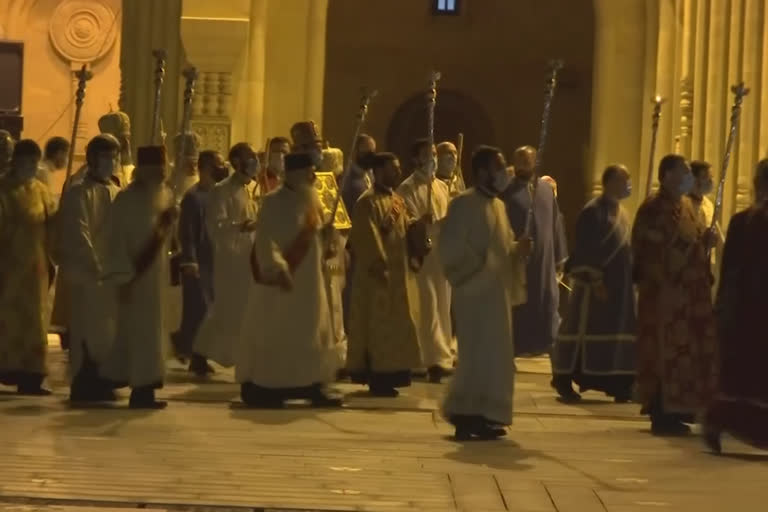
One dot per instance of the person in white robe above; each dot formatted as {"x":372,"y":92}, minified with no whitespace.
{"x":83,"y":244}
{"x":287,"y":350}
{"x":705,"y":209}
{"x":231,"y":221}
{"x":184,"y":174}
{"x":307,"y":139}
{"x":52,"y":167}
{"x":449,"y":168}
{"x":434,"y":330}
{"x":486,"y":268}
{"x":137,"y":265}
{"x":118,"y":125}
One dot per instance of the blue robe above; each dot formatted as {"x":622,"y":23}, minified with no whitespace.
{"x":596,"y":343}
{"x":536,"y":322}
{"x":196,"y":249}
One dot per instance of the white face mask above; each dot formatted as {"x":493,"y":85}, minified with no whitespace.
{"x":500,"y":181}
{"x":687,"y":184}
{"x":252,"y":168}
{"x":105,"y":167}
{"x":627,"y":191}
{"x":317,"y":157}
{"x":445,"y":165}
{"x":277,"y":163}
{"x":428,"y":168}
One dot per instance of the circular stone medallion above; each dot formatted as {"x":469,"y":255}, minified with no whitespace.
{"x":82,"y":31}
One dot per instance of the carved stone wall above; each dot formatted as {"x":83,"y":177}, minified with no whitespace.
{"x":59,"y":37}
{"x":690,"y":52}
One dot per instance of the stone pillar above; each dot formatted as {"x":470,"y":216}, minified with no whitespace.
{"x":314,"y":84}
{"x":257,"y":55}
{"x":149,"y":25}
{"x":215,"y":37}
{"x":618,"y":98}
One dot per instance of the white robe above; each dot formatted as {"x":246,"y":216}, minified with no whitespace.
{"x":138,"y":353}
{"x":82,"y":245}
{"x":434,"y":329}
{"x":229,"y":206}
{"x":287,"y":339}
{"x":478,"y":253}
{"x":335,"y":273}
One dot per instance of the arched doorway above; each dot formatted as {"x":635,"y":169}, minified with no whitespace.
{"x":455,"y":112}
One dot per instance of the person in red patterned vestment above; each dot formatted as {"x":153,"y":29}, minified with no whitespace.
{"x":741,"y":406}
{"x":676,"y":340}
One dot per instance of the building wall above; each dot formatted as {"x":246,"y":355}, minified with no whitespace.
{"x":59,"y":36}
{"x":495,"y":54}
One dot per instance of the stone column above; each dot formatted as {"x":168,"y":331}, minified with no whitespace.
{"x":257,"y":53}
{"x":150,"y":25}
{"x":314,"y":84}
{"x":618,"y":98}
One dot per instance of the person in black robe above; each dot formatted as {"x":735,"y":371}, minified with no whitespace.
{"x":595,"y":347}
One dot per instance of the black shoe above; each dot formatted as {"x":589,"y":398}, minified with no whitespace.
{"x":384,"y":392}
{"x":145,"y":399}
{"x":670,"y":429}
{"x":463,"y":434}
{"x":323,"y":400}
{"x":712,"y":439}
{"x":200,"y":367}
{"x":342,"y":375}
{"x":436,"y":374}
{"x":567,"y":393}
{"x":64,"y":340}
{"x":33,"y":391}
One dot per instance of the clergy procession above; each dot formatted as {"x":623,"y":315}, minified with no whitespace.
{"x":299,"y":269}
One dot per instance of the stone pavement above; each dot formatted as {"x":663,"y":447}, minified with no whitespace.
{"x":206,"y":453}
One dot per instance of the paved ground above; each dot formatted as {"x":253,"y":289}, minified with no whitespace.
{"x":205,"y":453}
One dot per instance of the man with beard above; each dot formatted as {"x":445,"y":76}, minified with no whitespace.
{"x":83,"y":241}
{"x":434,"y":327}
{"x":486,"y":268}
{"x":142,"y":221}
{"x":6,"y":152}
{"x":596,"y":344}
{"x":383,"y":339}
{"x":448,"y":168}
{"x":740,"y":406}
{"x":55,"y":157}
{"x":288,"y":351}
{"x":359,"y":179}
{"x":676,"y":339}
{"x":25,"y":272}
{"x":231,"y":222}
{"x":536,"y":321}
{"x":196,"y":258}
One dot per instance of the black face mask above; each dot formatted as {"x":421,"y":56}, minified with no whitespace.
{"x":219,"y":173}
{"x":361,"y":159}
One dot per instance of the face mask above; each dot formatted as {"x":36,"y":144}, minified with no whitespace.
{"x":317,"y":158}
{"x":428,"y":168}
{"x":707,"y":188}
{"x":445,"y":165}
{"x":105,"y":167}
{"x":500,"y":181}
{"x":219,"y":173}
{"x":687,"y":184}
{"x":626,"y":192}
{"x":277,"y":163}
{"x":252,"y":168}
{"x":26,"y":169}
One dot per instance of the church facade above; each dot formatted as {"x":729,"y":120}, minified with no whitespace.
{"x":265,"y":64}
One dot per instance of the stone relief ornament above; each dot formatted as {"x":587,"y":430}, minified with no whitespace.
{"x":82,"y":31}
